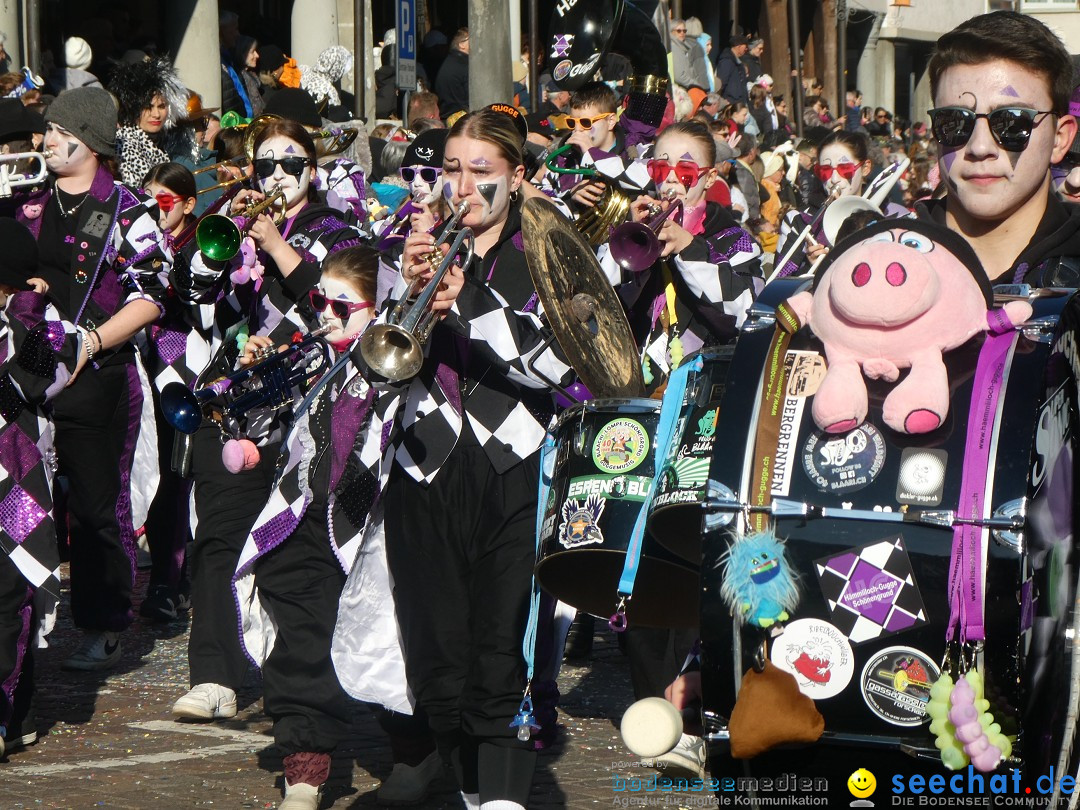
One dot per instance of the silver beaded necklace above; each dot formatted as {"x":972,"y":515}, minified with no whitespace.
{"x":67,"y":212}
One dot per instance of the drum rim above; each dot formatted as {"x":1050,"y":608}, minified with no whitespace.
{"x":644,"y":405}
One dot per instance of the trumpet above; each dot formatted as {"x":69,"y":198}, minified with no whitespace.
{"x":239,"y":162}
{"x":635,"y":246}
{"x":219,"y":236}
{"x":395,"y":349}
{"x":267,"y":384}
{"x":11,"y":176}
{"x":191,"y":230}
{"x":398,"y":227}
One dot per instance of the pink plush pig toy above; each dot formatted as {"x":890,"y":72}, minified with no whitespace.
{"x":897,"y":295}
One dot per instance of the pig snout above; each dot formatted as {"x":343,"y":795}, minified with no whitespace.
{"x":891,"y":289}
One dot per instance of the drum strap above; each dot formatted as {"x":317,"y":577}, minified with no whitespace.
{"x":967,"y":569}
{"x":670,"y":410}
{"x":773,"y":387}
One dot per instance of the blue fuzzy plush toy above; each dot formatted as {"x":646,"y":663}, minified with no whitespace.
{"x":759,"y":585}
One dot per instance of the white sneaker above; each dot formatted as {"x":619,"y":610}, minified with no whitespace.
{"x":206,"y":701}
{"x":99,"y":651}
{"x":409,"y":784}
{"x":686,"y":759}
{"x":300,"y":796}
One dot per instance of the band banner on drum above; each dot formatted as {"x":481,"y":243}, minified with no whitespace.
{"x":773,"y":388}
{"x":967,"y":567}
{"x":670,"y":410}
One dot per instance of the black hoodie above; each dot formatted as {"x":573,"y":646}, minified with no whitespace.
{"x":1051,"y":258}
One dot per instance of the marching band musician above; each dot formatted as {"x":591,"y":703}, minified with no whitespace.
{"x":40,"y":352}
{"x":842,"y":169}
{"x":301,"y":547}
{"x":251,"y":295}
{"x":340,"y":183}
{"x":461,"y":496}
{"x":103,"y":257}
{"x":709,"y":271}
{"x":1001,"y":84}
{"x":421,"y":169}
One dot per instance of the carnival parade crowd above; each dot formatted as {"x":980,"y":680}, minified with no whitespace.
{"x":375,"y":539}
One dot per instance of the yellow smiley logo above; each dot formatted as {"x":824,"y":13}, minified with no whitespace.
{"x":862,"y":784}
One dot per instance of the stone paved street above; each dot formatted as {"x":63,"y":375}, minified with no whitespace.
{"x":108,"y":740}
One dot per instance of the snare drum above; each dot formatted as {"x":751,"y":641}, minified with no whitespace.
{"x":604,"y":468}
{"x":874,"y":592}
{"x":675,"y":512}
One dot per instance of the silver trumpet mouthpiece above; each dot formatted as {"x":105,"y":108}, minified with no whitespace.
{"x":46,"y":153}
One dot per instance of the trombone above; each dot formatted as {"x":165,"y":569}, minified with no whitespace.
{"x":395,"y":349}
{"x":238,"y":162}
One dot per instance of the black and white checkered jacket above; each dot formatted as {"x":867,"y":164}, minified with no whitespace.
{"x":493,"y":331}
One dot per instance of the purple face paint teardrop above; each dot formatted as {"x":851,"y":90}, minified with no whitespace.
{"x":447,"y":192}
{"x":289,"y":150}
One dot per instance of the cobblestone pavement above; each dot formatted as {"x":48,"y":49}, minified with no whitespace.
{"x":107,"y":739}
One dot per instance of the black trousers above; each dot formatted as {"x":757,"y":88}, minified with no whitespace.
{"x":300,"y":583}
{"x":461,"y":552}
{"x":17,"y":623}
{"x":656,"y":655}
{"x":92,"y":421}
{"x":226,"y":505}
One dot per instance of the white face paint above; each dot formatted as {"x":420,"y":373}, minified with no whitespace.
{"x":424,"y":193}
{"x":475,"y":171}
{"x":69,"y":154}
{"x":337,"y":289}
{"x":836,"y":154}
{"x":295,"y":188}
{"x":677,"y":147}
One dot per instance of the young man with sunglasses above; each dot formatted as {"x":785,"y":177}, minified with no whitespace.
{"x":1001,"y":84}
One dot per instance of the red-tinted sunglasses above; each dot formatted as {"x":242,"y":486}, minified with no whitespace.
{"x":341,"y":309}
{"x":167,"y":202}
{"x":686,"y":171}
{"x":845,"y":170}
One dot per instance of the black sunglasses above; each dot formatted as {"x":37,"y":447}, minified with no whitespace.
{"x":1010,"y":126}
{"x":264,"y":167}
{"x":429,"y":174}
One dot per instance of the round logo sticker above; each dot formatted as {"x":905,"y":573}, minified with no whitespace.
{"x":562,"y":70}
{"x":896,"y":683}
{"x":620,"y":446}
{"x":844,"y":463}
{"x":817,"y":654}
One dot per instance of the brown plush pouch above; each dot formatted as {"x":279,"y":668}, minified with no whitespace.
{"x":771,"y":711}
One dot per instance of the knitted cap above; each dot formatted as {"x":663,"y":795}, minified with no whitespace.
{"x":88,"y":113}
{"x":77,"y":53}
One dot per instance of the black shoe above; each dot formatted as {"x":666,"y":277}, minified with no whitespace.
{"x":183,"y":596}
{"x":580,"y":638}
{"x":159,"y":604}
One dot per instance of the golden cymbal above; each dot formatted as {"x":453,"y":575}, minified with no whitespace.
{"x":580,"y":305}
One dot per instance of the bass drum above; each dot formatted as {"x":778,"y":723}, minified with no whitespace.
{"x":675,"y":512}
{"x":868,"y":635}
{"x":604,"y":468}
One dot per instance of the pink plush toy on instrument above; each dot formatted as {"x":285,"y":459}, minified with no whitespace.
{"x":897,"y":295}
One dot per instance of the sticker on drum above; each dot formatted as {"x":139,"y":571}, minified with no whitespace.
{"x":547,"y":527}
{"x":896,"y":683}
{"x":619,"y":487}
{"x":922,"y":476}
{"x":844,"y":463}
{"x":806,"y":370}
{"x":581,"y":522}
{"x":620,"y":446}
{"x":871,"y":591}
{"x":817,"y":654}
